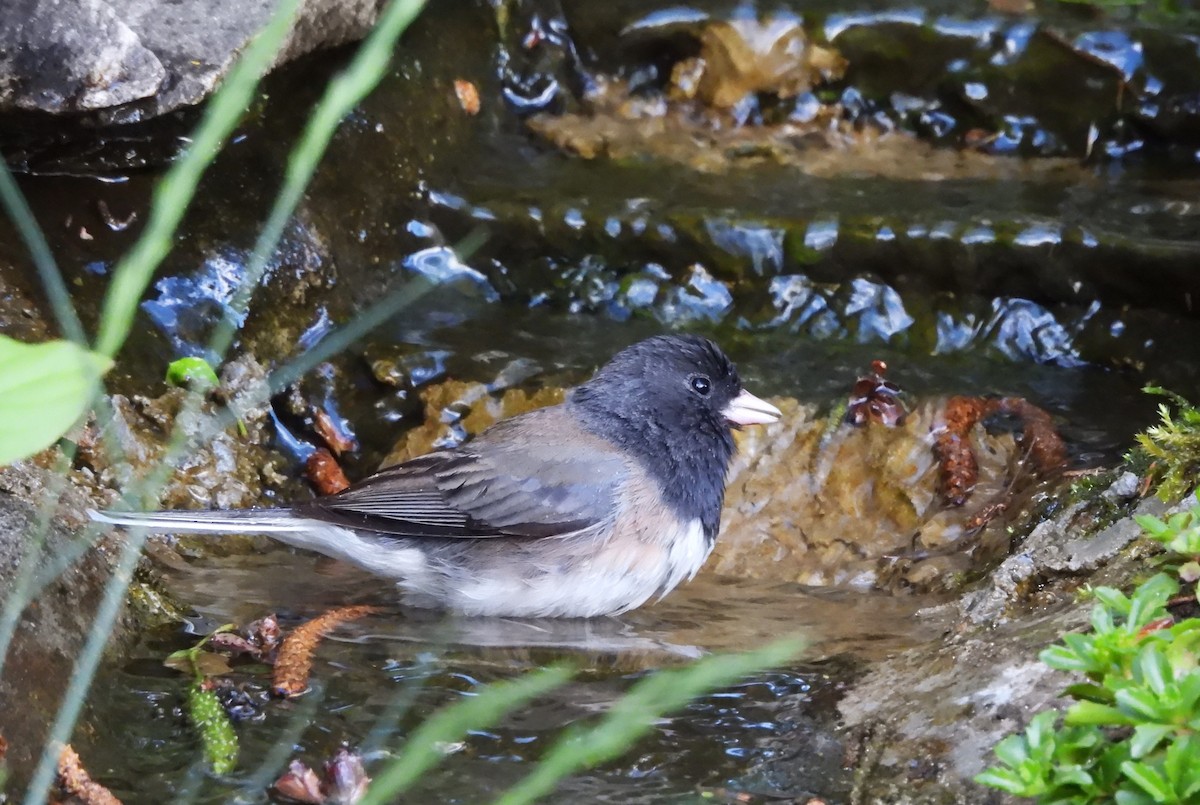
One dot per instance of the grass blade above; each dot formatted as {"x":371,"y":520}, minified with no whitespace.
{"x":35,"y":241}
{"x":635,"y":713}
{"x":422,"y":752}
{"x":174,"y":193}
{"x":341,"y":96}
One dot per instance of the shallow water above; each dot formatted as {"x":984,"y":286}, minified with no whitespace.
{"x":377,"y":678}
{"x":1071,"y":288}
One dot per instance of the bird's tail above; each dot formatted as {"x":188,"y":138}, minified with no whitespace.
{"x":237,"y":521}
{"x":388,"y":557}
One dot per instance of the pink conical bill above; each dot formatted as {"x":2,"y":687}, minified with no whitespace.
{"x":746,"y":409}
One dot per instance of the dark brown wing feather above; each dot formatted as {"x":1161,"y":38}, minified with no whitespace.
{"x":537,"y":475}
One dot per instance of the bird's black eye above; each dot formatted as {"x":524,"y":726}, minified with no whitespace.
{"x":701,"y":385}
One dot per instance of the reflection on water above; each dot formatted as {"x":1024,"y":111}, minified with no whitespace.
{"x":708,"y":615}
{"x":375,"y":680}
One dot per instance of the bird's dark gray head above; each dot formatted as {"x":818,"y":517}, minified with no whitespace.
{"x":673,"y":401}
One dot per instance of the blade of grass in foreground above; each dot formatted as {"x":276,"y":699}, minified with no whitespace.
{"x":423,"y":749}
{"x":135,"y":271}
{"x":174,"y":193}
{"x":35,"y":241}
{"x":130,"y":279}
{"x":341,"y":96}
{"x":363,"y":80}
{"x":635,"y":713}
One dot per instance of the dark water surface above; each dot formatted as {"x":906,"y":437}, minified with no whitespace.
{"x":378,"y":678}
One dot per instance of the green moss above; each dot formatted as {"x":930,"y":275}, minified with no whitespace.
{"x":150,"y":605}
{"x":1169,"y":453}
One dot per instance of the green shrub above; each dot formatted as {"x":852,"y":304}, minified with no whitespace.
{"x":1131,"y":735}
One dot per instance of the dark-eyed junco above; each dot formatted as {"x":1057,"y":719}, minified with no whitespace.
{"x":586,"y":508}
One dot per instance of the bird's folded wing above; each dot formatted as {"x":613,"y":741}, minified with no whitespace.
{"x":493,"y":491}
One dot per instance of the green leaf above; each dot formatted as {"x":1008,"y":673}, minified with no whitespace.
{"x":1005,"y":780}
{"x":1153,"y":526}
{"x":44,"y":390}
{"x":1125,"y":797}
{"x":1012,"y":751}
{"x":1182,"y":765}
{"x":1113,"y":599}
{"x":1082,"y":713}
{"x":1149,"y":600}
{"x":1041,"y":729}
{"x":1089,"y":692}
{"x":1072,"y":776}
{"x":1153,"y":667}
{"x":1146,"y":737}
{"x":192,"y":372}
{"x":1141,"y":702}
{"x":1149,"y":780}
{"x":1065,"y":658}
{"x":1102,"y":619}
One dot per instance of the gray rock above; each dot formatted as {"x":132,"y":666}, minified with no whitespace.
{"x":941,"y":708}
{"x":139,"y":58}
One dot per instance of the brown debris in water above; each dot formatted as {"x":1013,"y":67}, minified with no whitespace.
{"x":324,"y":472}
{"x":299,"y":783}
{"x":1046,"y":448}
{"x":259,"y":639}
{"x":875,"y":399}
{"x":333,"y":433}
{"x":293,"y":663}
{"x":74,"y":781}
{"x":468,"y":96}
{"x":959,"y":468}
{"x":345,"y":781}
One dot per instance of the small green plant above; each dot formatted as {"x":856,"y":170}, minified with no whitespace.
{"x":1131,"y":737}
{"x":208,"y":717}
{"x":1180,"y":535}
{"x":194,"y":373}
{"x":1171,"y":450}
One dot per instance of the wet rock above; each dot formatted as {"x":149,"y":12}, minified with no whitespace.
{"x":743,"y":56}
{"x":746,"y":101}
{"x":946,"y":705}
{"x":187,"y":306}
{"x":51,"y":631}
{"x":20,"y":316}
{"x":296,"y":307}
{"x":222,"y":467}
{"x":1066,"y":545}
{"x":136,"y":59}
{"x":942,"y":709}
{"x":826,"y":503}
{"x":455,"y":410}
{"x":618,"y":128}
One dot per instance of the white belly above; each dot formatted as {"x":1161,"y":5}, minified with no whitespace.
{"x":616,"y":579}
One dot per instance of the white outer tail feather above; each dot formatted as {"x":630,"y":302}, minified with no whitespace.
{"x":241,"y":521}
{"x":382,"y":556}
